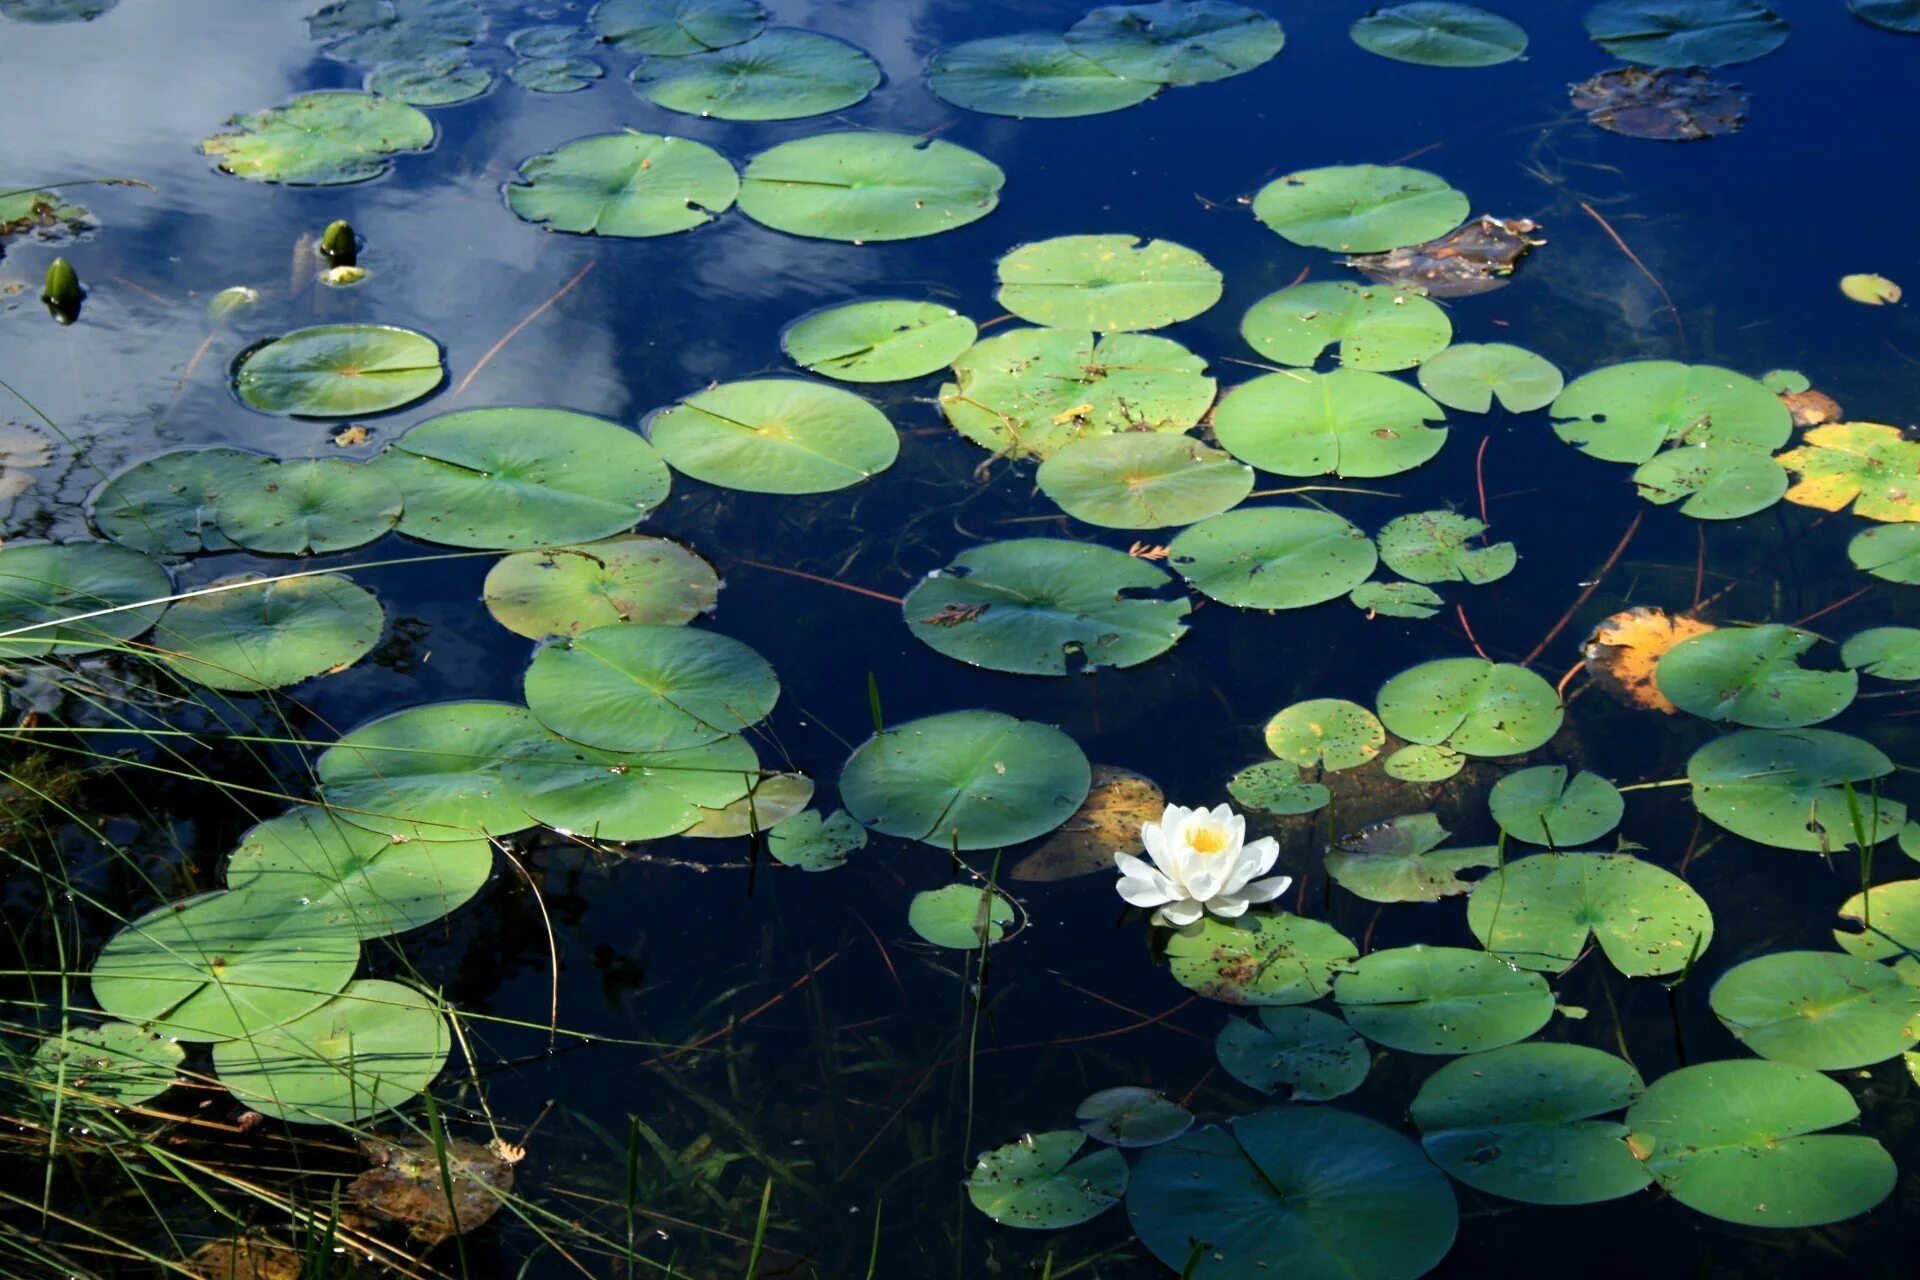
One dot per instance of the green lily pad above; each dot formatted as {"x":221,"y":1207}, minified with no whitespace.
{"x":385,"y":30}
{"x":64,"y":583}
{"x":164,"y":504}
{"x":966,"y":780}
{"x":1752,"y":676}
{"x":772,"y":800}
{"x":551,"y":40}
{"x":1521,"y":1122}
{"x":1537,"y":913}
{"x":1036,"y":1183}
{"x":1894,"y":15}
{"x":1331,"y":733}
{"x":1143,"y":480}
{"x":1430,"y":34}
{"x":1311,"y":1193}
{"x":1629,"y":412}
{"x":1375,"y":327}
{"x":1028,"y":393}
{"x":631,"y":578}
{"x":509,"y":478}
{"x":1275,"y":786}
{"x":963,"y":917}
{"x":1106,"y":283}
{"x":320,"y":139}
{"x":1348,"y":423}
{"x":1470,"y":376}
{"x":1685,"y":33}
{"x":869,"y":185}
{"x":1034,"y":75}
{"x":1712,"y":481}
{"x":1432,"y":546}
{"x":1273,"y":557}
{"x":1822,"y":1009}
{"x":781,"y":74}
{"x":1361,"y":208}
{"x":639,"y":687}
{"x":374,"y":1047}
{"x":429,"y":773}
{"x":1317,"y":1056}
{"x":1870,"y":464}
{"x":1741,"y":1141}
{"x":340,"y":371}
{"x":1132,"y":1116}
{"x":774,"y":435}
{"x":224,"y":965}
{"x":1043,"y":606}
{"x":813,"y":843}
{"x":1782,"y":787}
{"x":1542,"y":806}
{"x":1396,"y":600}
{"x":436,"y":80}
{"x":1888,"y":920}
{"x":1260,"y":959}
{"x":269,"y":635}
{"x":1177,"y":41}
{"x":628,"y":184}
{"x":1424,"y":762}
{"x":1892,"y":653}
{"x":1478,"y":708}
{"x":676,"y":28}
{"x":1398,"y":861}
{"x":1891,"y":552}
{"x":610,"y":795}
{"x":114,"y":1064}
{"x":307,"y":506}
{"x":555,"y":75}
{"x":888,"y":340}
{"x":1425,"y":999}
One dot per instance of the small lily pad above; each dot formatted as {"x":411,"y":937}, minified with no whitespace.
{"x":1036,"y":1182}
{"x":1891,"y":552}
{"x":1424,"y":762}
{"x":812,"y":843}
{"x":677,"y":28}
{"x":1348,"y":423}
{"x":1034,"y":75}
{"x":383,"y":30}
{"x":1423,"y":999}
{"x":1362,"y":208}
{"x":1327,"y":732}
{"x":321,"y":139}
{"x":340,"y":371}
{"x":1478,"y":708}
{"x":1315,"y":1054}
{"x":1891,"y":653}
{"x":1143,"y":480}
{"x":1177,"y":41}
{"x":963,"y":917}
{"x":1132,"y":1116}
{"x":780,"y":74}
{"x":1542,"y":805}
{"x":627,"y":184}
{"x":774,"y":435}
{"x":641,"y":687}
{"x":1260,"y":959}
{"x":1106,"y":283}
{"x":1430,"y":33}
{"x":1375,"y":327}
{"x":1469,"y":376}
{"x":1434,"y":546}
{"x":1273,"y":557}
{"x":1276,"y":787}
{"x":435,"y":80}
{"x":555,"y":75}
{"x":114,"y":1064}
{"x":1396,"y":600}
{"x":567,"y":590}
{"x":888,"y":340}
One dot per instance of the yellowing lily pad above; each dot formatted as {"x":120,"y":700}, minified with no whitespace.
{"x":1869,"y":464}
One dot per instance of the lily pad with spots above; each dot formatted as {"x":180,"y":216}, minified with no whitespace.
{"x":1469,"y":376}
{"x":1036,"y":1182}
{"x":340,"y":371}
{"x":1277,"y":787}
{"x":1424,"y":762}
{"x":1871,"y":465}
{"x":677,"y":28}
{"x":1539,"y":912}
{"x":1752,"y":676}
{"x":1476,"y":707}
{"x":1132,"y":1116}
{"x":869,"y":185}
{"x":1177,"y":41}
{"x":431,"y":772}
{"x":1143,"y":480}
{"x":1431,"y":33}
{"x":307,"y":506}
{"x":1828,"y":1010}
{"x":113,"y":1064}
{"x":267,"y":634}
{"x":1314,"y":1055}
{"x":1712,"y":481}
{"x":1542,"y":805}
{"x":1033,"y":75}
{"x":1400,"y":860}
{"x":1423,"y":999}
{"x":961,"y":917}
{"x":774,"y":435}
{"x":1361,"y":208}
{"x":1629,"y":412}
{"x":1260,"y":959}
{"x":1273,"y":557}
{"x":1329,"y":733}
{"x":1891,"y":653}
{"x":1435,"y":546}
{"x":780,"y":74}
{"x":630,"y":578}
{"x":1348,"y":423}
{"x":1106,"y":283}
{"x":1395,"y":600}
{"x":320,"y":139}
{"x":812,"y":843}
{"x":75,"y":597}
{"x":887,"y":340}
{"x":641,"y":687}
{"x":1784,"y":787}
{"x":1373,"y":326}
{"x":625,"y":184}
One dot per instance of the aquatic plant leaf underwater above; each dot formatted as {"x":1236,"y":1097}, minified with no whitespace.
{"x":1624,"y":650}
{"x":388,"y":30}
{"x":1669,"y":104}
{"x":436,"y":80}
{"x":1131,"y":1115}
{"x":1686,"y":33}
{"x":780,"y":74}
{"x":812,"y":843}
{"x":1106,"y":283}
{"x":555,"y":75}
{"x":409,"y":1180}
{"x":1476,"y":258}
{"x":961,"y":917}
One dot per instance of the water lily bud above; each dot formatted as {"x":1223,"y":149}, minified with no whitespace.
{"x":341,"y":277}
{"x":230,"y":300}
{"x":61,"y":292}
{"x":338,"y":245}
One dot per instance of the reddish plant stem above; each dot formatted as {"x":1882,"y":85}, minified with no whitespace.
{"x":1468,"y":628}
{"x":824,"y":581}
{"x":744,"y":1019}
{"x":885,"y":956}
{"x":1679,"y":326}
{"x":1841,"y":603}
{"x":525,"y":320}
{"x":1567,"y":679}
{"x":1699,"y":568}
{"x":1186,"y":1099}
{"x":1619,"y":550}
{"x":1480,"y":483}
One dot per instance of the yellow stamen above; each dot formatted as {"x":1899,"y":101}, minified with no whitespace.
{"x":1207,"y":840}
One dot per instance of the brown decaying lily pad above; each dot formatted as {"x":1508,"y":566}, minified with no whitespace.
{"x":405,"y":1185}
{"x":1476,"y":258}
{"x":1108,"y":822}
{"x":1811,"y":408}
{"x":1625,"y":648}
{"x":244,"y":1258}
{"x":1667,"y":105}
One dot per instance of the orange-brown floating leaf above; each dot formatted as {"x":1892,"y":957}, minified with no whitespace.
{"x":245,"y":1258}
{"x":1107,"y":823}
{"x":405,"y":1185}
{"x":1811,"y":408}
{"x":1668,"y":105}
{"x":1477,"y":258}
{"x":1624,"y":649}
{"x":1870,"y":464}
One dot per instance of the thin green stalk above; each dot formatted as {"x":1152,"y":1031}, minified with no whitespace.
{"x":760,"y":1229}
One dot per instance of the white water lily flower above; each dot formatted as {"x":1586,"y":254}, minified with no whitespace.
{"x":1201,"y":863}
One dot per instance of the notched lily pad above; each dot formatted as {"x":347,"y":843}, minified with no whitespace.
{"x":1399,"y":861}
{"x":1036,"y":1182}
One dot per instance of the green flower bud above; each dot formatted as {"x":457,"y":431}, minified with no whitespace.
{"x":61,"y":292}
{"x":228,"y":301}
{"x":338,"y":245}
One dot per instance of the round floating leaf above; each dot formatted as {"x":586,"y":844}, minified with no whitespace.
{"x":1306,"y":1192}
{"x":1424,"y":999}
{"x":267,"y":634}
{"x":1130,"y":1116}
{"x":1629,"y":412}
{"x":1274,"y":786}
{"x":1317,"y":1055}
{"x":1888,"y":920}
{"x":374,"y":1047}
{"x":1106,"y":283}
{"x":774,"y":435}
{"x":1520,"y":1122}
{"x":1031,"y":392}
{"x":1869,"y":464}
{"x":522,"y":478}
{"x":1375,"y":327}
{"x":1034,"y":75}
{"x":608,"y":795}
{"x":631,"y":578}
{"x":1685,"y":33}
{"x":777,"y":75}
{"x":550,"y":41}
{"x":1741,"y":1141}
{"x":1042,"y":606}
{"x":436,"y":80}
{"x":382,"y":30}
{"x":1119,"y":803}
{"x":1478,"y":708}
{"x":1424,"y":763}
{"x":1895,"y":15}
{"x":224,"y":965}
{"x":1037,"y":1183}
{"x":961,"y":916}
{"x":1541,"y":806}
{"x":114,"y":1064}
{"x":164,"y":504}
{"x":1892,"y":653}
{"x":1891,"y":552}
{"x":966,"y":779}
{"x":1469,"y":376}
{"x":1259,"y":959}
{"x":1395,"y":600}
{"x":771,"y":800}
{"x":642,"y":687}
{"x":1537,"y":912}
{"x":1397,"y":861}
{"x":1347,"y":423}
{"x":1177,"y":41}
{"x":340,"y":371}
{"x":1782,"y":787}
{"x":1143,"y":480}
{"x":1331,"y":733}
{"x":625,"y":184}
{"x":1273,"y":557}
{"x":429,"y":773}
{"x":1752,"y":676}
{"x":1821,"y":1009}
{"x":676,"y":28}
{"x":1785,"y":382}
{"x":47,"y":582}
{"x":1712,"y":481}
{"x":320,"y":139}
{"x":309,"y":506}
{"x":813,"y":844}
{"x":1432,"y":546}
{"x":869,"y":185}
{"x":1361,"y":208}
{"x":555,"y":75}
{"x":1430,"y":34}
{"x":890,"y":340}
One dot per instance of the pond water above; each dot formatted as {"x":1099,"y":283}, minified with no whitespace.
{"x":720,"y":1065}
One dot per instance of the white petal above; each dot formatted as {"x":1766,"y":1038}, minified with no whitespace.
{"x":1265,"y":851}
{"x":1178,"y":915}
{"x":1266,"y":890}
{"x":1136,"y":869}
{"x":1157,"y":840}
{"x":1227,"y":906}
{"x":1142,"y":893}
{"x":1236,"y":828}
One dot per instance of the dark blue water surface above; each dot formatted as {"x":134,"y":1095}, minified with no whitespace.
{"x":857,"y":1081}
